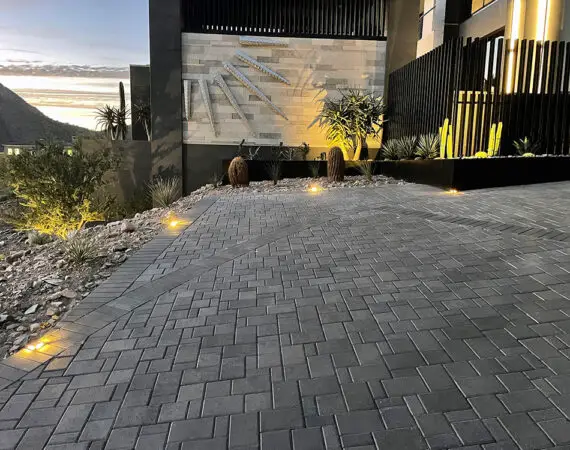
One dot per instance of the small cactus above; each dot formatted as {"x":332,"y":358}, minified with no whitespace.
{"x":238,"y":173}
{"x":335,"y":164}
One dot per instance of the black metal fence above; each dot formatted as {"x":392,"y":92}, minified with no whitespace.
{"x":347,"y":19}
{"x":486,"y":89}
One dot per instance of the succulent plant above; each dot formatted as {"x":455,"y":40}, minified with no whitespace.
{"x":428,"y":146}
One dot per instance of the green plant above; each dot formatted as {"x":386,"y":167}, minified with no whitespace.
{"x":217,"y":179}
{"x":350,"y":119}
{"x":407,"y":147}
{"x":113,"y":120}
{"x":390,"y":150}
{"x":238,"y":172}
{"x":39,"y":239}
{"x":122,"y":117}
{"x":314,"y":167}
{"x":335,"y":164}
{"x":428,"y":146}
{"x":273,"y":169}
{"x":55,"y":188}
{"x":164,"y":192}
{"x":80,"y":249}
{"x":366,"y":168}
{"x":525,"y":145}
{"x":142,"y":115}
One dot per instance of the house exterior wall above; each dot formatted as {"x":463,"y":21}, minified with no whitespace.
{"x":485,"y":21}
{"x":315,"y":68}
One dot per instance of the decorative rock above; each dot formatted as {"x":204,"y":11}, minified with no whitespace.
{"x":59,"y":264}
{"x":68,"y":293}
{"x":34,"y":327}
{"x":128,"y":227}
{"x":51,"y":312}
{"x":32,"y":309}
{"x":53,"y":281}
{"x":12,"y":258}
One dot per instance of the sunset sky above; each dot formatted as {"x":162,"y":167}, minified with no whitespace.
{"x":66,"y":57}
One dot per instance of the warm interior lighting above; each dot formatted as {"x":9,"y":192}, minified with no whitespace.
{"x":541,"y":20}
{"x":37,"y":346}
{"x":515,"y":34}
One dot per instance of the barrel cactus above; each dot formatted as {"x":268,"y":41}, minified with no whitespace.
{"x":335,"y":164}
{"x":237,"y":173}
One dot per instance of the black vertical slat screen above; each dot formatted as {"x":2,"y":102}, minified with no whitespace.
{"x":347,"y":19}
{"x":470,"y":83}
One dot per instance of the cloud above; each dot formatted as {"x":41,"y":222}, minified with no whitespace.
{"x":31,"y":68}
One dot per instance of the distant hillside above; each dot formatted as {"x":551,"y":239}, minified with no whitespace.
{"x":21,"y":123}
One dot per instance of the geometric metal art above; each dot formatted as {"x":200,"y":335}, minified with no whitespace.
{"x":261,"y":67}
{"x":252,"y":88}
{"x":253,"y":41}
{"x":208,"y":103}
{"x":187,"y":99}
{"x":219,"y":80}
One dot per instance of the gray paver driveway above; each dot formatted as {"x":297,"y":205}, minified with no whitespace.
{"x":388,"y":318}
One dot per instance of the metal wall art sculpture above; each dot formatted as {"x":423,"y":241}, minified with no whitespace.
{"x":187,"y":99}
{"x":208,"y":103}
{"x":261,"y":67}
{"x":252,"y":88}
{"x":219,"y":80}
{"x":254,"y":41}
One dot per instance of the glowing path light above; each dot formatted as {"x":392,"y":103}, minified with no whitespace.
{"x":261,"y":67}
{"x":219,"y":80}
{"x":252,"y":88}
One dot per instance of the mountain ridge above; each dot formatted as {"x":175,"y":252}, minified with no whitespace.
{"x":22,"y":123}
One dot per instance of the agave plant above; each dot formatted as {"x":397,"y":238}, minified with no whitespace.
{"x":350,"y":119}
{"x":407,"y":147}
{"x":428,"y":146}
{"x":526,"y":146}
{"x":142,"y":115}
{"x":390,"y":150}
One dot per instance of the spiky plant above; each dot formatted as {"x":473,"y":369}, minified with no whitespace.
{"x":349,"y":120}
{"x":390,"y":150}
{"x":366,"y":168}
{"x":142,"y":115}
{"x":164,"y":192}
{"x":79,"y":249}
{"x":273,"y":169}
{"x":217,"y":179}
{"x":314,"y":167}
{"x":428,"y":146}
{"x":39,"y":239}
{"x":407,"y":147}
{"x":525,"y":146}
{"x":106,"y":117}
{"x":122,"y":113}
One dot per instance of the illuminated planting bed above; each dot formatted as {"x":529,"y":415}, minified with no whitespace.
{"x":465,"y":174}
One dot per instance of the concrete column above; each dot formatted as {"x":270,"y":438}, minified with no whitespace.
{"x":166,"y":87}
{"x":403,"y":33}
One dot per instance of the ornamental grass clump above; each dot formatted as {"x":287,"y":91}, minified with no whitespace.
{"x":55,"y":187}
{"x":366,"y":168}
{"x":165,"y":191}
{"x":80,"y":249}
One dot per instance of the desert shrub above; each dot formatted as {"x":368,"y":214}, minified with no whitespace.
{"x":428,"y":146}
{"x":273,"y":169}
{"x":55,"y":188}
{"x":39,"y":239}
{"x":79,"y":249}
{"x":164,"y":192}
{"x":366,"y":168}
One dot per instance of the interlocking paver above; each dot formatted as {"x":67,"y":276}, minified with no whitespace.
{"x":387,"y":318}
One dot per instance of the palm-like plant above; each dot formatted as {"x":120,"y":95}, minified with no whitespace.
{"x":428,"y":146}
{"x":142,"y":115}
{"x":350,"y":119}
{"x":106,"y":121}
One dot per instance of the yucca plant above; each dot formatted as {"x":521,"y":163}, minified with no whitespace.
{"x":366,"y":168}
{"x":428,"y":146}
{"x":164,"y":192}
{"x":407,"y":147}
{"x":390,"y":150}
{"x":525,"y":146}
{"x":79,"y":249}
{"x":142,"y":115}
{"x":350,"y":119}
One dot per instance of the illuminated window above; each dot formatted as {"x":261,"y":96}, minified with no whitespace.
{"x":476,"y":5}
{"x":10,"y":151}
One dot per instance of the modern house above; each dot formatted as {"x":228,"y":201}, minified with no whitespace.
{"x":224,"y":72}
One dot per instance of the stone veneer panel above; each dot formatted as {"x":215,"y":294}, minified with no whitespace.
{"x":315,"y":68}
